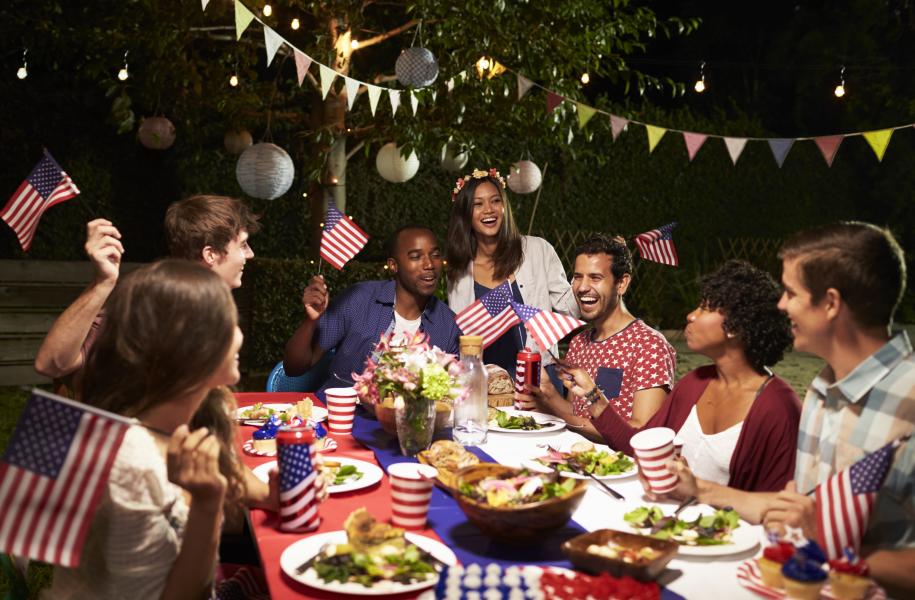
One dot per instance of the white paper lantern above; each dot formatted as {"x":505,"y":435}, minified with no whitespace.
{"x":156,"y":133}
{"x":264,"y":171}
{"x":416,"y":67}
{"x":452,"y":160}
{"x":393,"y":167}
{"x":236,"y":141}
{"x":524,"y":177}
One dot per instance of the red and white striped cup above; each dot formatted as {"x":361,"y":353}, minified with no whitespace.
{"x":653,"y":449}
{"x":411,"y":489}
{"x":341,"y":408}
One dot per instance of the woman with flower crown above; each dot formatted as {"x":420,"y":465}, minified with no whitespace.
{"x":485,"y":250}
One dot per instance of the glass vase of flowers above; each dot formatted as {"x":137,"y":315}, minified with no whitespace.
{"x":409,"y":373}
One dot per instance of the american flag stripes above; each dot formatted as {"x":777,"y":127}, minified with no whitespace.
{"x":342,"y":239}
{"x":844,"y":501}
{"x":52,"y":476}
{"x":45,"y":186}
{"x":545,"y":327}
{"x":298,"y":487}
{"x":490,"y":316}
{"x":658,"y":245}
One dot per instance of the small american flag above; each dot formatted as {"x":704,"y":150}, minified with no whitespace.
{"x":52,"y":476}
{"x":342,"y":239}
{"x":844,"y":501}
{"x":658,"y":245}
{"x":45,"y":186}
{"x":298,"y":488}
{"x":545,"y":327}
{"x":490,"y":316}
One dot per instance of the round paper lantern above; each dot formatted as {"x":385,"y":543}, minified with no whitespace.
{"x":264,"y":171}
{"x":393,"y":167}
{"x":452,"y":159}
{"x":236,"y":141}
{"x":524,"y":177}
{"x":156,"y":133}
{"x":416,"y":67}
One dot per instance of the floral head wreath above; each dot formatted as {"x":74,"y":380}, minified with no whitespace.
{"x":477,"y":174}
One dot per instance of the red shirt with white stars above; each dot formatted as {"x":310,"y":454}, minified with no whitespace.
{"x":644,"y":355}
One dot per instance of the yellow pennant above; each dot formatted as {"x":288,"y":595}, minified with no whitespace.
{"x":879,"y":140}
{"x":654,"y":136}
{"x":585,"y":113}
{"x":496,"y":69}
{"x":243,"y":18}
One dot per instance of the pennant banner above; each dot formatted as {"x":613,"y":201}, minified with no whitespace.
{"x":829,"y":145}
{"x":617,"y":125}
{"x":654,"y":136}
{"x":735,"y":147}
{"x":352,"y":90}
{"x":878,"y":141}
{"x":693,"y":141}
{"x":780,"y":148}
{"x":524,"y":84}
{"x":414,"y":102}
{"x":394,"y":96}
{"x":327,"y":79}
{"x":374,"y":93}
{"x":272,"y":41}
{"x":552,"y":101}
{"x":585,"y":113}
{"x":302,"y":63}
{"x":243,"y":18}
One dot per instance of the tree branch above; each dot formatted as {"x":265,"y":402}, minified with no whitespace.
{"x":387,"y":35}
{"x":355,"y":149}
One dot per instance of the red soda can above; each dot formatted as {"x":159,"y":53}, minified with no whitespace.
{"x":527,"y":370}
{"x":296,"y":451}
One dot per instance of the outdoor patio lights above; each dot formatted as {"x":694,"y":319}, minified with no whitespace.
{"x":354,"y":44}
{"x":123,"y":74}
{"x":295,"y":24}
{"x":700,"y":83}
{"x":482,"y":66}
{"x":585,"y":78}
{"x":23,"y":71}
{"x":268,"y":10}
{"x":233,"y":80}
{"x":840,"y":89}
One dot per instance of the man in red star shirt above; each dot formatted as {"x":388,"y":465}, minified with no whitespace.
{"x":631,"y":364}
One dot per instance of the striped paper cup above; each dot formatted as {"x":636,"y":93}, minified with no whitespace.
{"x":411,"y":489}
{"x":653,"y":449}
{"x":341,"y":408}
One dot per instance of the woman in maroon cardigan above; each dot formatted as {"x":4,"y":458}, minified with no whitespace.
{"x":739,"y":422}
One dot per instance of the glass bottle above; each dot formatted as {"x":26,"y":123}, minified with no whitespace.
{"x":471,"y":418}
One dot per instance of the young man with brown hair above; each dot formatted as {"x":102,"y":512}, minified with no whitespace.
{"x":210,"y":229}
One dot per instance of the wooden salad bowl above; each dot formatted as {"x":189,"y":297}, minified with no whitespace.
{"x":516,"y":524}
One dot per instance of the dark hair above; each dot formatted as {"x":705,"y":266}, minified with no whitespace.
{"x":196,"y":222}
{"x":748,"y":299}
{"x":462,"y":243}
{"x":862,"y":261}
{"x":599,"y":243}
{"x":391,"y":244}
{"x":168,"y":326}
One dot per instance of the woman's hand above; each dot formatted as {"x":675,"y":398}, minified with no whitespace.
{"x":687,"y":484}
{"x":192,"y":459}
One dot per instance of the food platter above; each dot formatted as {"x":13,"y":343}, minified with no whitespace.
{"x":535,"y":465}
{"x":371,"y":474}
{"x":244,"y":413}
{"x":547,"y":423}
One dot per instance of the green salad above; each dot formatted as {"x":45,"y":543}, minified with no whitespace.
{"x":705,"y":530}
{"x":344,"y":564}
{"x":517,"y":488}
{"x":342,"y":473}
{"x":597,"y":462}
{"x":506,"y":421}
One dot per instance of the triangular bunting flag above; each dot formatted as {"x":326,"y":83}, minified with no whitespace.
{"x":394,"y":96}
{"x":655,"y":134}
{"x":617,"y":125}
{"x":243,"y":18}
{"x":374,"y":93}
{"x":414,"y":102}
{"x":780,"y":148}
{"x":735,"y":147}
{"x":693,"y":141}
{"x":552,"y":101}
{"x":879,"y":140}
{"x":524,"y":84}
{"x":302,"y":63}
{"x":496,"y":69}
{"x":434,"y":95}
{"x":272,"y":41}
{"x":327,"y":79}
{"x":352,"y":90}
{"x":829,"y":145}
{"x":204,"y":3}
{"x":585,"y":113}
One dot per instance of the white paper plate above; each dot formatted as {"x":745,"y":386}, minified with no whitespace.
{"x":317,"y":413}
{"x":532,"y":464}
{"x":303,"y":550}
{"x":744,"y":537}
{"x":371,"y":474}
{"x":549,"y":422}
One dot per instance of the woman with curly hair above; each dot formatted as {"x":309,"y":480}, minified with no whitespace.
{"x":738,"y":421}
{"x":486,"y":250}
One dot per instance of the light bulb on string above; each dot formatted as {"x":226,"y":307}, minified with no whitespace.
{"x":354,"y":44}
{"x":123,"y":74}
{"x":840,"y":89}
{"x":295,"y":24}
{"x":700,"y":83}
{"x":233,"y":80}
{"x":23,"y":71}
{"x":585,"y":78}
{"x":482,"y":65}
{"x":268,"y":10}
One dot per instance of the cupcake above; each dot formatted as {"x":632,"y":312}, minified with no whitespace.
{"x":264,"y":439}
{"x":771,"y":562}
{"x":803,"y":573}
{"x":848,"y":578}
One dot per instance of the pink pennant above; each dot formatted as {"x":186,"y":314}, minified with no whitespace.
{"x":302,"y":62}
{"x":829,"y":145}
{"x":617,"y":125}
{"x":693,"y":141}
{"x":552,"y":101}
